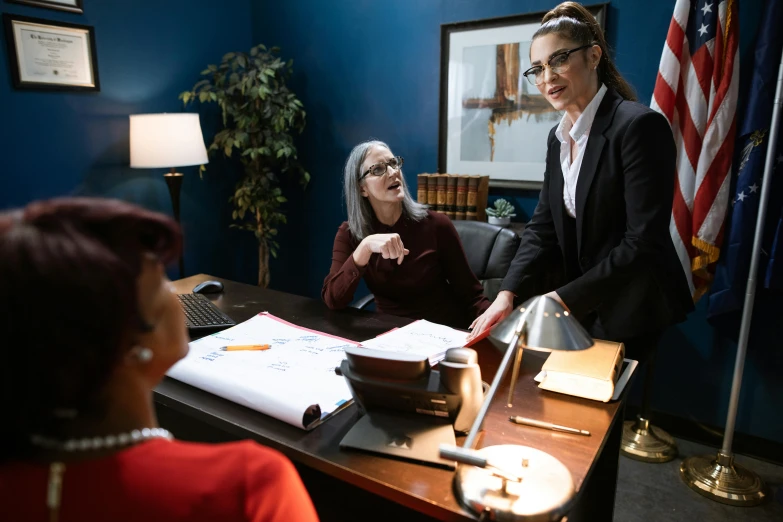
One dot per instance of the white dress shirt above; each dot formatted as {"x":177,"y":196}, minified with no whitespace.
{"x":578,"y":132}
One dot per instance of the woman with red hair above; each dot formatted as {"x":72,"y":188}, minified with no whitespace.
{"x":91,"y":327}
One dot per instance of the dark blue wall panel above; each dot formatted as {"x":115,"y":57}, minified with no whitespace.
{"x":66,"y":143}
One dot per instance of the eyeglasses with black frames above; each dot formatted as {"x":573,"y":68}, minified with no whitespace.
{"x":558,"y":64}
{"x":379,"y":169}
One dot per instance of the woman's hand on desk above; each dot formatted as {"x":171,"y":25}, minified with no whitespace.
{"x":388,"y":245}
{"x":500,"y":308}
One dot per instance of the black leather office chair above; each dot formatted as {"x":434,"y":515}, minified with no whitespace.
{"x":489,"y":249}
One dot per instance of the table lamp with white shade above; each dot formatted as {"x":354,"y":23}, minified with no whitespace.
{"x":167,"y":141}
{"x":512,"y":482}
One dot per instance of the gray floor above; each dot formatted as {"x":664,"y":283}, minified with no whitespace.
{"x":655,"y":492}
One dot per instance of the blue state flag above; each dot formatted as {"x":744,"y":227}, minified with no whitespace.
{"x":773,"y":232}
{"x":731,"y":274}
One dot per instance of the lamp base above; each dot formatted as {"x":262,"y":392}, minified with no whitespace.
{"x":722,"y":480}
{"x":647,"y":443}
{"x":545,"y":492}
{"x":174,"y":183}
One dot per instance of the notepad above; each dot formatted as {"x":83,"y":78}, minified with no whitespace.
{"x":420,"y":337}
{"x":294,"y":381}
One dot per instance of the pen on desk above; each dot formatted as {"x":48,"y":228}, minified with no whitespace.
{"x":237,"y":347}
{"x":547,"y":425}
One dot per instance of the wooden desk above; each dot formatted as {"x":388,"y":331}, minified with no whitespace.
{"x":422,"y":489}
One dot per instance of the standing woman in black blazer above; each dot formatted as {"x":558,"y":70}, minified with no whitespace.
{"x":606,"y":202}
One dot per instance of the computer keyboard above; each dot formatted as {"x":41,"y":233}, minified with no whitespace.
{"x":201,"y":313}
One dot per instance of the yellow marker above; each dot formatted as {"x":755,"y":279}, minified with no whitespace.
{"x":237,"y":347}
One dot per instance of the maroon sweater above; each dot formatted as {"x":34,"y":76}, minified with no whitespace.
{"x":434,"y":281}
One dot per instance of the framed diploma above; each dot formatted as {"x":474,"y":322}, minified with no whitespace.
{"x":51,"y":55}
{"x":71,"y":6}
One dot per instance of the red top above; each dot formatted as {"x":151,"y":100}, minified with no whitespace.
{"x":164,"y":481}
{"x":434,"y":281}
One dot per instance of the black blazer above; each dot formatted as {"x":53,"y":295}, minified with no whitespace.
{"x":631,"y":275}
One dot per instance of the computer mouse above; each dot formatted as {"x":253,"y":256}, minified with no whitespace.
{"x":208,"y":287}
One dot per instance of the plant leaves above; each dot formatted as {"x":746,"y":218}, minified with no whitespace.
{"x":260,"y":117}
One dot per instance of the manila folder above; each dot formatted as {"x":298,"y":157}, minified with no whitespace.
{"x":589,"y":373}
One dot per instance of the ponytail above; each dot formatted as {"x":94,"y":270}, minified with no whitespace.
{"x":574,"y":22}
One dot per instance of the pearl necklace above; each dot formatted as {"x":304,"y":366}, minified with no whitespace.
{"x":106,"y":442}
{"x":57,"y":469}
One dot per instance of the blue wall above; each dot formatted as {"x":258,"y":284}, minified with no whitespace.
{"x":57,"y":143}
{"x":371,"y":69}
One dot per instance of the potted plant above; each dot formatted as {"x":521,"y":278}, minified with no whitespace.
{"x":260,"y":115}
{"x":501,"y":214}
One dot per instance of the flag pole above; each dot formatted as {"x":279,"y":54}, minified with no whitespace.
{"x":720,"y":478}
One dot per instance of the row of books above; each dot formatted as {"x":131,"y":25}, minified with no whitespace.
{"x":459,"y":196}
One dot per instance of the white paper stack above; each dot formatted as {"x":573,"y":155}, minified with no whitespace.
{"x":293,"y":381}
{"x":420,"y":338}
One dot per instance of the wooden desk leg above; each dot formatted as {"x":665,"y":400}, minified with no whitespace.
{"x":596,"y":500}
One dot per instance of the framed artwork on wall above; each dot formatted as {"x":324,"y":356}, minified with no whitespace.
{"x":51,"y":55}
{"x":72,"y":6}
{"x":492,"y":121}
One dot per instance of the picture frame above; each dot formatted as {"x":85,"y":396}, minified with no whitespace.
{"x":70,"y":6}
{"x":49,"y":55}
{"x":489,"y":126}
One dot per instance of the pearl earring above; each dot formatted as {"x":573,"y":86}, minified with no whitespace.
{"x":141,"y":354}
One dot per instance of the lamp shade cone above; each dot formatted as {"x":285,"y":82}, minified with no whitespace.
{"x":547,"y":326}
{"x":166,"y":140}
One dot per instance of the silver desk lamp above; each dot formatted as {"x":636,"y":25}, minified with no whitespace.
{"x":511,"y":482}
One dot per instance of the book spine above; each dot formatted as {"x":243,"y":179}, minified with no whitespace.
{"x":462,"y":197}
{"x":451,"y":196}
{"x":618,"y":362}
{"x":421,"y":188}
{"x":481,"y":198}
{"x":473,"y":183}
{"x":441,"y":192}
{"x":432,"y":192}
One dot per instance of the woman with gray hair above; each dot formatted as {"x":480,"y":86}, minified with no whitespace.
{"x":411,"y":258}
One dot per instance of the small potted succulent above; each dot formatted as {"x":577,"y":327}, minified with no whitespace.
{"x":501,"y":214}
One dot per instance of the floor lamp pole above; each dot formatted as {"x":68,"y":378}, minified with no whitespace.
{"x":721,"y":478}
{"x":174,"y":182}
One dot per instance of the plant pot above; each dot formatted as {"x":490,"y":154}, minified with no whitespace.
{"x":502,"y":221}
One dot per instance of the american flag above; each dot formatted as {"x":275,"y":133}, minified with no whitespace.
{"x":696,"y":90}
